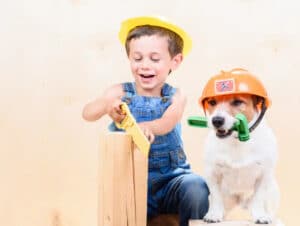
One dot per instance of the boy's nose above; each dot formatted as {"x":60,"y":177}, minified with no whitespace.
{"x":145,"y":63}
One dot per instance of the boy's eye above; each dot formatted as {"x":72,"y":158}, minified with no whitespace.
{"x":212,"y":102}
{"x":137,"y":59}
{"x":155,"y":59}
{"x":236,"y":102}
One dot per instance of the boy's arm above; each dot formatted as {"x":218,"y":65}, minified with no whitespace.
{"x":108,"y":103}
{"x":170,"y":118}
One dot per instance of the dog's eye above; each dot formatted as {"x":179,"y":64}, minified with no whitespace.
{"x":212,"y":102}
{"x":236,"y":102}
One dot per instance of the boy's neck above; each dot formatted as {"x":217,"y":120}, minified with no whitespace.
{"x":149,"y":93}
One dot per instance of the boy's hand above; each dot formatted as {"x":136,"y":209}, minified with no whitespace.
{"x":147,"y":131}
{"x":115,"y":112}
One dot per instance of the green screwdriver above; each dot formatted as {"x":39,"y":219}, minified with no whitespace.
{"x":241,"y":125}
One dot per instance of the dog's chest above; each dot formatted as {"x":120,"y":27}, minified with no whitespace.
{"x":239,"y":180}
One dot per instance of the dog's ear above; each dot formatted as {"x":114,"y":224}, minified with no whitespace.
{"x":257,"y":102}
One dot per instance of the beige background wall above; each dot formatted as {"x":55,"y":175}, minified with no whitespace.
{"x":58,"y":54}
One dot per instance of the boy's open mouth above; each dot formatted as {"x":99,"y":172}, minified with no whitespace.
{"x":146,"y":76}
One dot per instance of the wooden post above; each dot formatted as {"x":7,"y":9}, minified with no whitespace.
{"x":123,"y":182}
{"x":140,"y":164}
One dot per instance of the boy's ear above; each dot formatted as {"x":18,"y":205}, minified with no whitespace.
{"x":176,"y":61}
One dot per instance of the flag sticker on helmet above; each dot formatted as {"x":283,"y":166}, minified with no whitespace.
{"x":224,"y":86}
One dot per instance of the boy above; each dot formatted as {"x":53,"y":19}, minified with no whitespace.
{"x":155,"y":48}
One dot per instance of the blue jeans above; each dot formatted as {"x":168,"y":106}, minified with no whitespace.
{"x":186,"y":195}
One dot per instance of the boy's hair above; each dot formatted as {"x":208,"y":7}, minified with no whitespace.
{"x":175,"y":42}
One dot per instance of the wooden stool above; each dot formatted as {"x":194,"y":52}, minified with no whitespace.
{"x":164,"y":220}
{"x":224,"y":223}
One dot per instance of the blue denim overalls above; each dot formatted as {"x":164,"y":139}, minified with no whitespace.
{"x":172,"y":187}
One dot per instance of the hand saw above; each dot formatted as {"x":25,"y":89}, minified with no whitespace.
{"x":131,"y":127}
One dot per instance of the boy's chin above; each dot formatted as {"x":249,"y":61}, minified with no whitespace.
{"x":148,"y":84}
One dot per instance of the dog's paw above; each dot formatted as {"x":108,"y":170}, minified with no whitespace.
{"x":263,"y":220}
{"x":213,"y":217}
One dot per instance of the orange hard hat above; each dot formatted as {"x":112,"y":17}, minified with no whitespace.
{"x":236,"y":81}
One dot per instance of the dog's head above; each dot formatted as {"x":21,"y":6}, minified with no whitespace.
{"x":229,"y":93}
{"x":221,"y":111}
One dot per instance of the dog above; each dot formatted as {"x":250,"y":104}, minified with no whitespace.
{"x":239,"y":172}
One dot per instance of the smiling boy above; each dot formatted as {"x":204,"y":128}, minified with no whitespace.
{"x":155,"y":48}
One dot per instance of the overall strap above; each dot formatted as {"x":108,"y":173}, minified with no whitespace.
{"x":129,"y":90}
{"x":167,"y":92}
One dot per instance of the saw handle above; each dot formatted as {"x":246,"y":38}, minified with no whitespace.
{"x":128,"y":121}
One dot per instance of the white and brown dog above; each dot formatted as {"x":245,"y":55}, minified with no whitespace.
{"x":239,"y":173}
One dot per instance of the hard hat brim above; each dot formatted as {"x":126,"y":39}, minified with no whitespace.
{"x":131,"y":23}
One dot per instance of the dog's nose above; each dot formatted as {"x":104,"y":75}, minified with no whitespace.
{"x":218,"y":121}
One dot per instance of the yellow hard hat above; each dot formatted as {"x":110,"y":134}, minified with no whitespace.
{"x":131,"y":23}
{"x":236,"y":81}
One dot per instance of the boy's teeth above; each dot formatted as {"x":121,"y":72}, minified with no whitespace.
{"x":147,"y":76}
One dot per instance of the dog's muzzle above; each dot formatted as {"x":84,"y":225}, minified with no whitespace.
{"x":218,"y":122}
{"x":222,"y":133}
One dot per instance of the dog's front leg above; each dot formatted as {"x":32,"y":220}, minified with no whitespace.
{"x":265,"y":199}
{"x":216,"y":206}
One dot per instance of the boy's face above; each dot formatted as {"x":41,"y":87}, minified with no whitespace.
{"x":151,"y":63}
